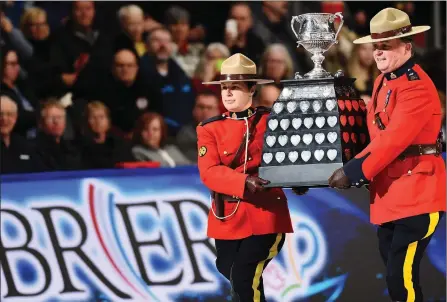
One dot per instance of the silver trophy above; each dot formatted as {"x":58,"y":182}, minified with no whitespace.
{"x":316,"y":33}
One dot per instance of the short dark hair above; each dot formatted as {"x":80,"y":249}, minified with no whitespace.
{"x":250,"y":84}
{"x":176,"y":14}
{"x":408,"y":40}
{"x":158,"y":28}
{"x":207,"y":92}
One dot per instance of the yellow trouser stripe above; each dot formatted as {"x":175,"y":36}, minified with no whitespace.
{"x":408,"y":270}
{"x":260,"y":267}
{"x":434,"y":219}
{"x":409,"y":258}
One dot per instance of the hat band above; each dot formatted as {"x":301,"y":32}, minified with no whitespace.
{"x":237,"y":77}
{"x":392,"y":33}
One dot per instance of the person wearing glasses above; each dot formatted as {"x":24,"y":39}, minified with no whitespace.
{"x":402,"y":164}
{"x":57,"y":153}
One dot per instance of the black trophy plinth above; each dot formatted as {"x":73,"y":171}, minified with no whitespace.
{"x":315,"y":126}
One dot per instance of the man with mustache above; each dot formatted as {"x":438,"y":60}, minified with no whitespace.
{"x":402,"y":163}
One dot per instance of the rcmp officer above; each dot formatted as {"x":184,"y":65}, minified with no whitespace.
{"x":247,"y":221}
{"x":402,"y":164}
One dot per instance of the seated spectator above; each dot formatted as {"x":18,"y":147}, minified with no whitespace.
{"x":185,"y":53}
{"x":208,"y":69}
{"x":273,"y":26}
{"x":336,"y":58}
{"x":244,"y":40}
{"x":36,"y":30}
{"x":267,"y":95}
{"x":100,"y":148}
{"x":19,"y":92}
{"x":56,"y":152}
{"x":276,"y":64}
{"x":173,"y":89}
{"x":124,"y":92}
{"x":207,"y":105}
{"x":81,"y":52}
{"x":131,"y":18}
{"x":362,"y":67}
{"x":42,"y":73}
{"x":150,"y":137}
{"x":18,"y":155}
{"x":13,"y":38}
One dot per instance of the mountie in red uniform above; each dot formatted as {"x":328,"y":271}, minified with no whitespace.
{"x":406,"y":173}
{"x":402,"y":162}
{"x":409,"y":110}
{"x":251,"y":229}
{"x":256,"y":214}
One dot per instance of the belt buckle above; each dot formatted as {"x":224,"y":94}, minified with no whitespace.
{"x":420,"y":149}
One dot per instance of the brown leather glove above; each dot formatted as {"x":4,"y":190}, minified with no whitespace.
{"x":300,"y":190}
{"x":339,"y":180}
{"x":255,"y":184}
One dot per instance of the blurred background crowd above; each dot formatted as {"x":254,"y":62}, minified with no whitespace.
{"x":94,"y":85}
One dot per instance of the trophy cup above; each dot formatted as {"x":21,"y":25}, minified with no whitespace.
{"x":318,"y":122}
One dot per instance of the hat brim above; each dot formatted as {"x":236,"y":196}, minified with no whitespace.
{"x":258,"y":81}
{"x":415,"y":30}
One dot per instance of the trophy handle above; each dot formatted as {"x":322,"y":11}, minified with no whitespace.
{"x":340,"y":26}
{"x":291,"y":25}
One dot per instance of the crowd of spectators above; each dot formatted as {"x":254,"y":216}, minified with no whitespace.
{"x":79,"y":93}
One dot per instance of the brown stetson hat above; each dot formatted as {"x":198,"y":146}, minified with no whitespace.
{"x":390,"y":23}
{"x":239,"y":68}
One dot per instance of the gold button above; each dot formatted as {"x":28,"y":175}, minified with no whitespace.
{"x":279,"y":198}
{"x":383,"y":110}
{"x":225,"y":152}
{"x":374,"y":122}
{"x":409,"y":172}
{"x":249,"y":158}
{"x":384,"y":84}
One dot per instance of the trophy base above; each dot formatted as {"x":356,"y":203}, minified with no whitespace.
{"x":313,"y":175}
{"x":318,"y":73}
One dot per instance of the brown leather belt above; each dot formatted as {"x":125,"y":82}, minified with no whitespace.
{"x":417,"y":150}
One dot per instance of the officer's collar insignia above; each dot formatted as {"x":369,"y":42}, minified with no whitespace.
{"x":404,"y":69}
{"x":243,"y":114}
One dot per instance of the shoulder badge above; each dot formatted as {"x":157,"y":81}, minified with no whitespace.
{"x":412,"y":75}
{"x":202,"y":151}
{"x":212,"y":119}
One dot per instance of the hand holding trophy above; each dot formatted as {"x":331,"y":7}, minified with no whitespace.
{"x":318,"y":122}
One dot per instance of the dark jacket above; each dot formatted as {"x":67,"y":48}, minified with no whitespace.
{"x":43,"y":73}
{"x":20,"y":156}
{"x":58,"y":157}
{"x":106,"y":155}
{"x":174,"y":93}
{"x":126,"y":104}
{"x":68,"y":44}
{"x":253,"y":49}
{"x":123,"y":41}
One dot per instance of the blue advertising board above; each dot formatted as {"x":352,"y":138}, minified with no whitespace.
{"x":140,"y":235}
